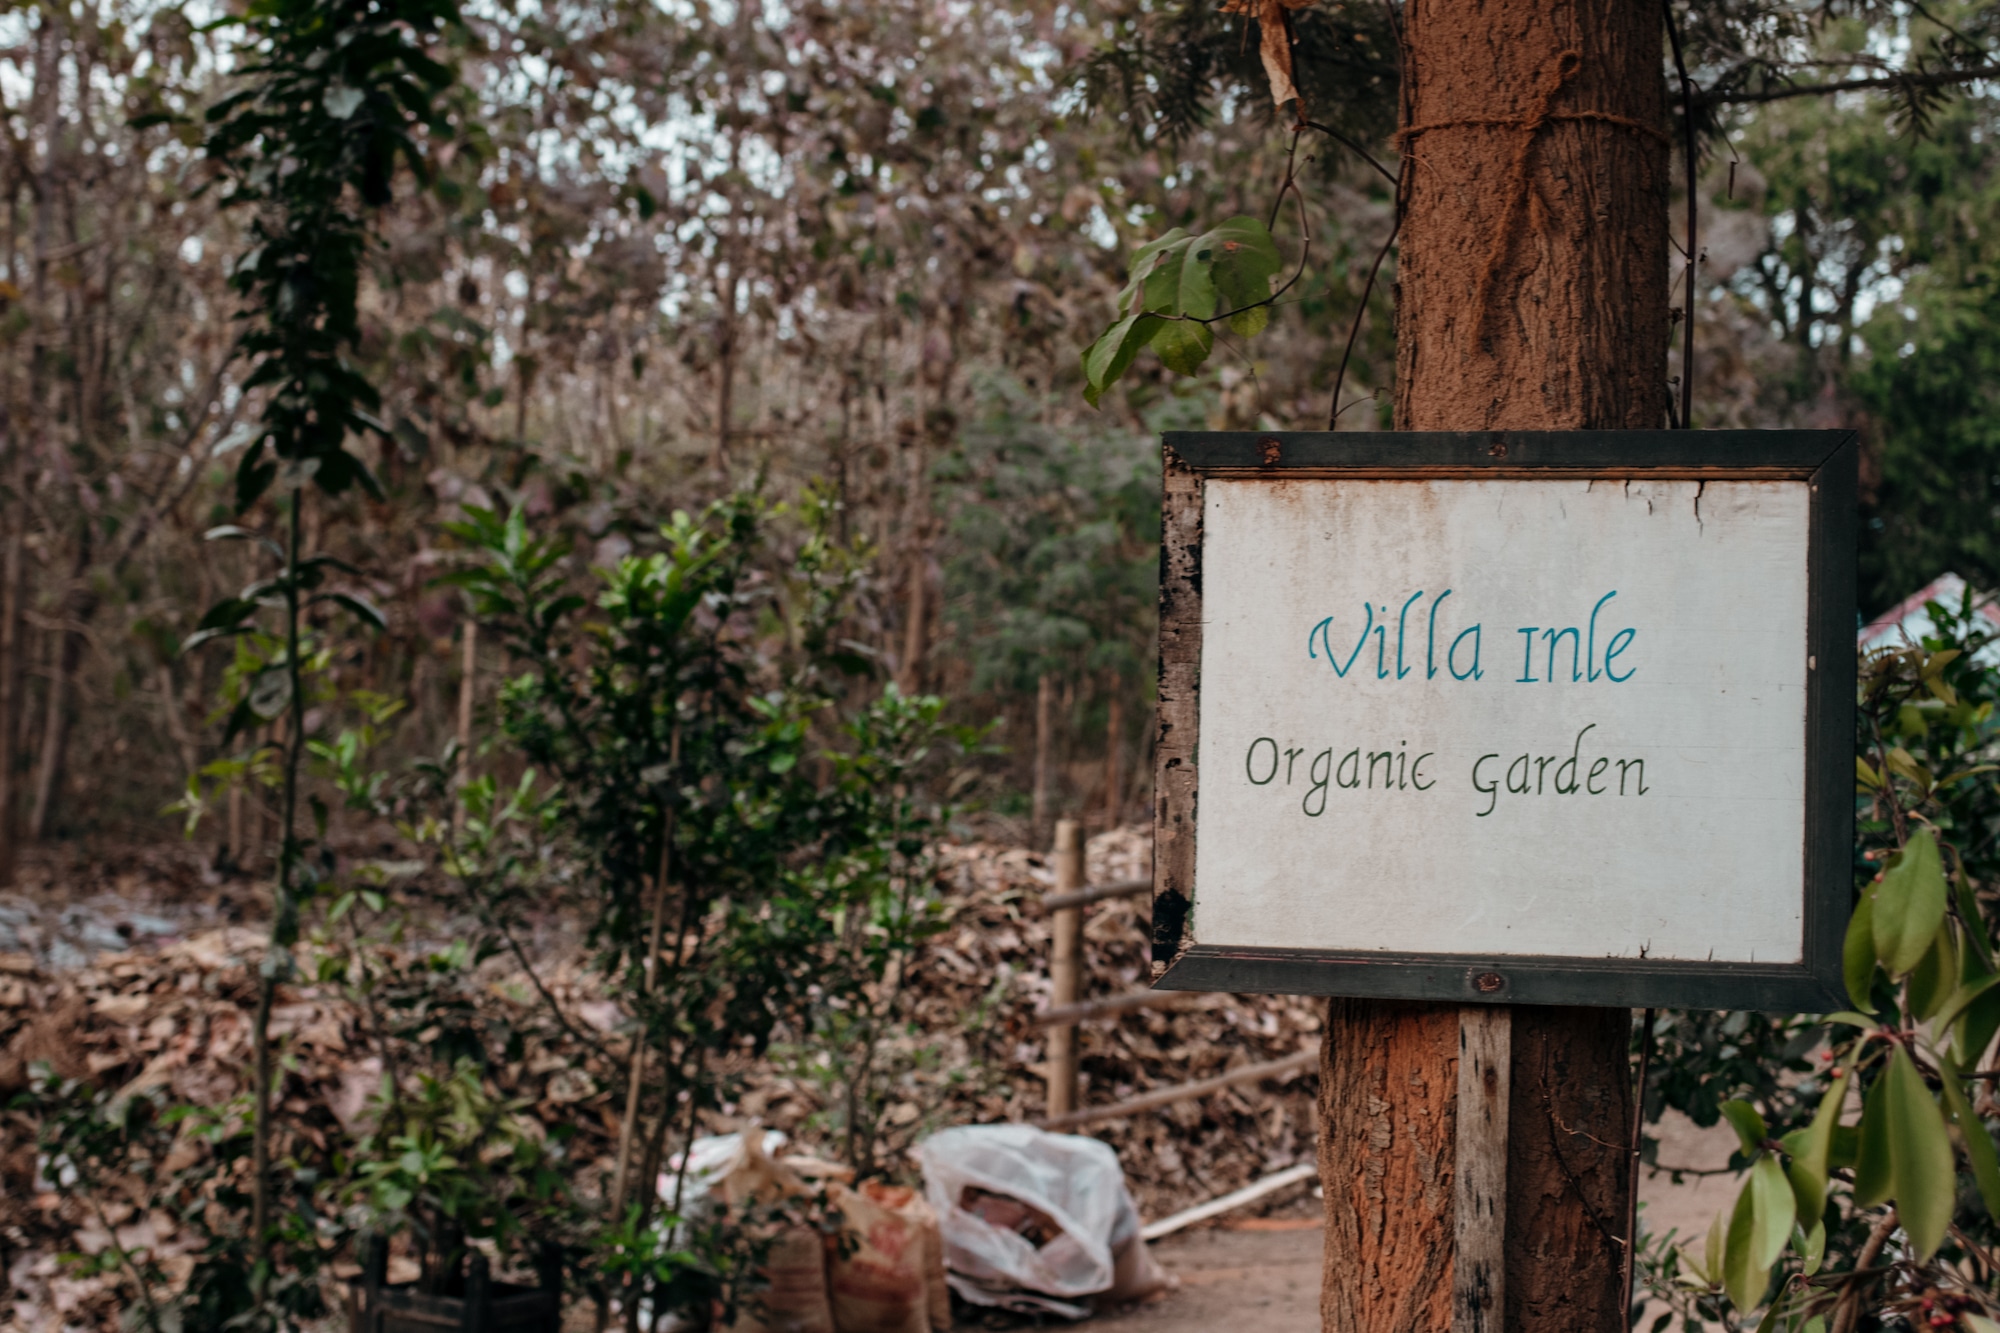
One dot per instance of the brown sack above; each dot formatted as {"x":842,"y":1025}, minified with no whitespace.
{"x":791,"y":1291}
{"x":910,"y":1205}
{"x":793,"y":1297}
{"x":879,"y":1280}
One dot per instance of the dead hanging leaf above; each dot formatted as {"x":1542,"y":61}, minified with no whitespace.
{"x":1274,"y":44}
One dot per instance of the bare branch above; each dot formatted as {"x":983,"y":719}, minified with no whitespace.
{"x":1943,"y":78}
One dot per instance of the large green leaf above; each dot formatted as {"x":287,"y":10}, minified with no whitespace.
{"x":1812,"y":1247}
{"x":1979,"y":958}
{"x":1107,"y":359}
{"x":1748,"y":1124}
{"x":1978,"y":1142}
{"x":1810,"y":1149}
{"x":1758,"y":1230}
{"x":1857,"y":955}
{"x":1874,"y":1168}
{"x":1178,"y":285}
{"x":1936,"y":977}
{"x":1963,"y":1000}
{"x":1978,"y":1024}
{"x":1183,"y":345}
{"x":1909,"y":905}
{"x":1926,"y":1178}
{"x":1972,"y":1016}
{"x":1244,"y":259}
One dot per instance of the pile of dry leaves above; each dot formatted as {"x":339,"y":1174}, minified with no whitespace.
{"x":174,"y":1015}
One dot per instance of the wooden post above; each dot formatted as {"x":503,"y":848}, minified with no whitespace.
{"x":1045,"y":726}
{"x":1479,"y":1185}
{"x":467,"y":696}
{"x":1531,"y":288}
{"x":1065,"y":962}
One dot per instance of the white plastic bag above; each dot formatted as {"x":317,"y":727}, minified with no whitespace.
{"x":1075,"y":1205}
{"x":708,"y":1161}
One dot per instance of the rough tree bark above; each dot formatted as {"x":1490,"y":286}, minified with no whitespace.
{"x":77,"y":608}
{"x":13,"y":539}
{"x":1532,"y":294}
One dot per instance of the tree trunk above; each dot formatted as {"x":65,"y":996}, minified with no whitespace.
{"x":916,"y":627}
{"x":78,"y":606}
{"x":1045,"y":725}
{"x":1114,"y":755}
{"x":1532,"y":277}
{"x":65,"y":655}
{"x":1531,"y":295}
{"x":12,"y":677}
{"x":467,"y":699}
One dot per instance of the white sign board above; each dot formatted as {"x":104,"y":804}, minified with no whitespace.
{"x":1511,"y":718}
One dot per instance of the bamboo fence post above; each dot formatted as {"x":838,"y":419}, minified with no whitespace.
{"x":1065,"y":963}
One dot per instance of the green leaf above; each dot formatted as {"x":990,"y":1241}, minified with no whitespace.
{"x":227,"y":612}
{"x":1713,"y":1253}
{"x":360,"y":607}
{"x":1810,"y":1149}
{"x":1978,"y":1142}
{"x":1176,"y":283}
{"x":1813,"y":1248}
{"x":1980,"y":956}
{"x":1909,"y":905}
{"x":1244,"y":260}
{"x":1936,"y":976}
{"x":1851,"y":1019}
{"x":1107,"y":359}
{"x":1758,"y":1230}
{"x":1977,"y":1026}
{"x":1961,"y":999}
{"x":1857,"y":955}
{"x":1250,"y":321}
{"x":1183,"y":345}
{"x":198,"y":638}
{"x":1874,"y":1167}
{"x":1925,"y":1177}
{"x":1748,"y":1124}
{"x":1774,"y":1210}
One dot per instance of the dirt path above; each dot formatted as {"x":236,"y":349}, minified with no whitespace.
{"x":1264,"y":1276}
{"x":1266,"y":1281}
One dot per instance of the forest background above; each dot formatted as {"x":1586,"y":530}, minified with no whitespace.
{"x":819,"y":275}
{"x":669,"y":249}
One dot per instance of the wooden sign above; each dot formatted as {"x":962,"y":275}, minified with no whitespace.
{"x":1540,"y":718}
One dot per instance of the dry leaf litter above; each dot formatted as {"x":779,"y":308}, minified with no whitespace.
{"x":160,"y":997}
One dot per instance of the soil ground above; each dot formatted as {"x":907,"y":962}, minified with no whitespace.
{"x":1263,"y":1274}
{"x":1233,"y":1278}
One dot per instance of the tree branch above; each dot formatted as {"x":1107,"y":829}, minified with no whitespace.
{"x":1934,"y":79}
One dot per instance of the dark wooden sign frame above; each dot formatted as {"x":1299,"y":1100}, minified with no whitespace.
{"x":1826,"y":459}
